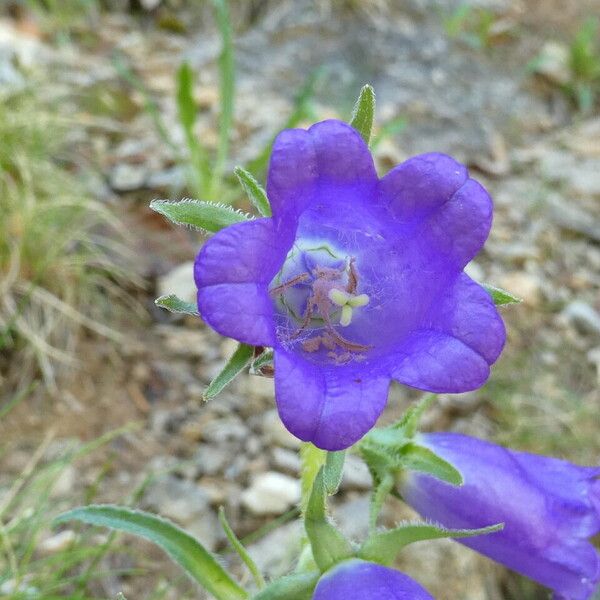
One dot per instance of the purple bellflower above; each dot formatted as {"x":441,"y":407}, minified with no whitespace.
{"x":355,"y":281}
{"x":549,"y":508}
{"x":361,"y":580}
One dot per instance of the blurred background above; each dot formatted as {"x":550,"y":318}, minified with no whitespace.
{"x":107,"y":104}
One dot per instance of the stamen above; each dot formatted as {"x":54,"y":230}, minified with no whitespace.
{"x":346,"y":317}
{"x":358,"y":301}
{"x":339,"y":297}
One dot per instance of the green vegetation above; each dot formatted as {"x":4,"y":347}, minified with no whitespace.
{"x":35,"y":561}
{"x":59,"y":254}
{"x":474,"y":26}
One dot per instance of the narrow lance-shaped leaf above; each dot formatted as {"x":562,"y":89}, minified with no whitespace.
{"x":207,"y":216}
{"x":364,"y":112}
{"x":186,"y":107}
{"x":419,"y":458}
{"x":383,"y":547}
{"x":241,"y":551}
{"x":175,"y":304}
{"x":328,"y":545}
{"x":185,"y":550}
{"x":239,"y":360}
{"x":333,"y":471}
{"x":299,"y":586}
{"x":255,"y":192}
{"x":500,"y":296}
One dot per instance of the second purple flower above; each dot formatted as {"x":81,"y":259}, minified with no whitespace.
{"x":355,"y":281}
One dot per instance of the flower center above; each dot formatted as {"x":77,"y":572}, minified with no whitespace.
{"x":316,"y":295}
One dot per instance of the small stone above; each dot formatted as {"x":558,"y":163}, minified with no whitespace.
{"x":553,"y":62}
{"x":187,"y":504}
{"x":150,"y":4}
{"x":353,"y":517}
{"x":179,"y":281}
{"x":225,"y":429}
{"x":57,"y":543}
{"x":356,"y":475}
{"x":583,"y":316}
{"x":127,"y":178}
{"x":286,"y":460}
{"x":276,"y":433}
{"x":271,"y":493}
{"x":211,"y":459}
{"x":474,"y":271}
{"x":277,"y":552}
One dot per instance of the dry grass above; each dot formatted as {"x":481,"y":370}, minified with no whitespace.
{"x":60,"y":259}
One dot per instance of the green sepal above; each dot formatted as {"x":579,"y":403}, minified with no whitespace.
{"x":409,"y":422}
{"x":299,"y":586}
{"x":364,"y":112}
{"x":204,"y":216}
{"x":328,"y":544}
{"x":333,"y":471}
{"x":418,"y":458}
{"x":175,"y":304}
{"x":200,"y":564}
{"x":500,"y":296}
{"x":239,"y":360}
{"x":383,"y":547}
{"x":255,"y":192}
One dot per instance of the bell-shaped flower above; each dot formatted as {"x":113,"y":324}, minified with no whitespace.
{"x":360,"y":580}
{"x":550,"y":508}
{"x":355,"y":281}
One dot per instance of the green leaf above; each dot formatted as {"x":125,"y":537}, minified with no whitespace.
{"x":206,"y":216}
{"x":328,"y":545}
{"x":239,"y":360}
{"x":299,"y":586}
{"x":500,"y":296}
{"x":255,"y":192}
{"x":364,"y":112}
{"x":199,"y":167}
{"x":185,"y":550}
{"x":241,"y":551}
{"x":333,"y":471}
{"x":176,"y":305}
{"x":419,"y":458}
{"x":185,"y":97}
{"x":383,"y":547}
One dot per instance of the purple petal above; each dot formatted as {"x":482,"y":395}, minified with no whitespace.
{"x":546,"y":524}
{"x":438,"y":362}
{"x":332,"y":407}
{"x":232,"y":273}
{"x":342,"y":155}
{"x":293,"y":172}
{"x":330,"y":153}
{"x":360,"y":580}
{"x":421,"y":185}
{"x":467,"y":312}
{"x":437,"y":204}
